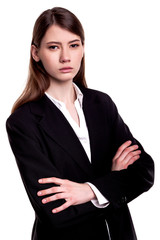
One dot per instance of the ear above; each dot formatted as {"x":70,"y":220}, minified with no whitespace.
{"x":34,"y":52}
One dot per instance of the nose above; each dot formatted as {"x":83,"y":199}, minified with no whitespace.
{"x":65,"y":56}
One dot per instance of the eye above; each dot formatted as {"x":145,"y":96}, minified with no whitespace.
{"x":75,"y":45}
{"x":53,"y":47}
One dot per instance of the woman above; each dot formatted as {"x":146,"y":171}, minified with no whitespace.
{"x":78,"y":160}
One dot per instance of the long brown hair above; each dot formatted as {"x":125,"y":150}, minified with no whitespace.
{"x":38,"y":79}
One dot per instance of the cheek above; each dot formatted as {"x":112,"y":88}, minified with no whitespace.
{"x":78,"y":59}
{"x":48,"y":62}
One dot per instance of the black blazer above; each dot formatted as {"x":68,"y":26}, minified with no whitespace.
{"x":45,"y":145}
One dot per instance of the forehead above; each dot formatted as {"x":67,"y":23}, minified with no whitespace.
{"x":58,"y":34}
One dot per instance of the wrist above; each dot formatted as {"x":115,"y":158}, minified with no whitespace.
{"x":90,"y":193}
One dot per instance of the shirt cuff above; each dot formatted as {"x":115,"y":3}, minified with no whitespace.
{"x":100,"y":201}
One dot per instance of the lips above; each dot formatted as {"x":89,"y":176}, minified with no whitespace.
{"x":66,"y":69}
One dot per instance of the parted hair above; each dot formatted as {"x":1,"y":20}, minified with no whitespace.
{"x":38,"y":79}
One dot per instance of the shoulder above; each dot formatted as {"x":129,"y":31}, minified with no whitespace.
{"x":20,"y":114}
{"x":27,"y":113}
{"x":101,"y":101}
{"x":96,"y":96}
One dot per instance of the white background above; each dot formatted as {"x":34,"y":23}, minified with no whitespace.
{"x":122,"y":59}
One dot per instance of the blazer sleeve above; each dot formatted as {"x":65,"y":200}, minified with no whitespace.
{"x":121,"y":187}
{"x":33,"y":164}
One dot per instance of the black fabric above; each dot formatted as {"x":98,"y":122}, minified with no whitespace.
{"x":45,"y":145}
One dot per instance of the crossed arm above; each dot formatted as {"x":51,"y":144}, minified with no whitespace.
{"x":78,"y":193}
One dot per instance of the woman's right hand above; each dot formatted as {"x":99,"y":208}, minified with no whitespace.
{"x":125,"y":156}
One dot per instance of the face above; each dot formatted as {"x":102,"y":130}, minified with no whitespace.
{"x":60,"y":52}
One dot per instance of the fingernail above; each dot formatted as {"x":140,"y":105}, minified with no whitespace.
{"x":40,"y":180}
{"x":44,"y":201}
{"x":39,"y":193}
{"x":54,"y":211}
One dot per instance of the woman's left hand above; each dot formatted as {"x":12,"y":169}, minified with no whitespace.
{"x":74,"y":193}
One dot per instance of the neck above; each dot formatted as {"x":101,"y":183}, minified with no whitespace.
{"x":62,"y":91}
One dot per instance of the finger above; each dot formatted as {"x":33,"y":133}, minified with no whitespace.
{"x":121,"y":149}
{"x":131,"y":161}
{"x":55,"y":197}
{"x":49,"y":191}
{"x":131,"y":155}
{"x":62,"y":207}
{"x":55,"y":180}
{"x":127,"y":151}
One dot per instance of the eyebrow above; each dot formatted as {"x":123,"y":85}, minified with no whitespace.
{"x":54,"y":42}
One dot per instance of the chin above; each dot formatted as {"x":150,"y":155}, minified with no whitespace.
{"x":66,"y":78}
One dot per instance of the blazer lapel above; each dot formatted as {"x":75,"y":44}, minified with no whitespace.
{"x":93,"y":112}
{"x":57,"y":127}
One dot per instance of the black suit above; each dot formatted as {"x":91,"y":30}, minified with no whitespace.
{"x":45,"y":145}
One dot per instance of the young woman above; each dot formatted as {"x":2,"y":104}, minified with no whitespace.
{"x":78,"y":160}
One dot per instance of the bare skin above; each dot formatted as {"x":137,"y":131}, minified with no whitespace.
{"x":125,"y":156}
